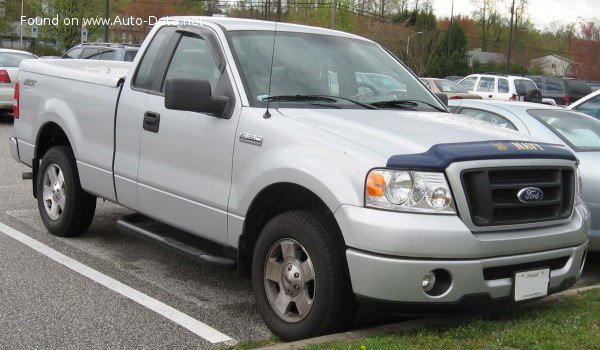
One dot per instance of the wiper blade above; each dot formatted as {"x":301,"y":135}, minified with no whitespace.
{"x":319,"y":98}
{"x":404,"y":104}
{"x":367,"y":106}
{"x":298,"y":98}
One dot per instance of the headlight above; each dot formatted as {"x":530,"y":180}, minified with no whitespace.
{"x":406,"y":190}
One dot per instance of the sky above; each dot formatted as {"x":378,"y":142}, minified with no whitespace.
{"x":541,"y":12}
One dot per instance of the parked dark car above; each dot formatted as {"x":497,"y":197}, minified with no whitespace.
{"x":594,"y":85}
{"x":561,"y":89}
{"x":103,"y":51}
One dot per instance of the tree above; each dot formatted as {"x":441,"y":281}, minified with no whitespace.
{"x":458,"y":64}
{"x":584,"y":49}
{"x":421,"y":51}
{"x":70,"y":14}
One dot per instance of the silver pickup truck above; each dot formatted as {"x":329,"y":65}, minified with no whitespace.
{"x":315,"y":159}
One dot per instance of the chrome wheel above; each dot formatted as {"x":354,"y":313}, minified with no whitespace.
{"x":289,"y":280}
{"x":53,"y":192}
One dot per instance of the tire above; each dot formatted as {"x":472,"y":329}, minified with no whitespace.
{"x":65,"y":208}
{"x":295,"y":305}
{"x":533,"y":95}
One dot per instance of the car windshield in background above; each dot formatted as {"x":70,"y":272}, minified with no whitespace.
{"x":449,"y":86}
{"x":524,"y":85}
{"x":13,"y":59}
{"x":581,"y":132}
{"x":322,"y":65}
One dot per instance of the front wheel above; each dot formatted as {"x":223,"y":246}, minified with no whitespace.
{"x":300,"y":277}
{"x":66,"y":209}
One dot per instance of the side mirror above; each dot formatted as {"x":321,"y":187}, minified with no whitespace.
{"x":443,"y":97}
{"x":193,"y":96}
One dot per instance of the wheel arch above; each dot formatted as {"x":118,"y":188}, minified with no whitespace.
{"x":49,"y":135}
{"x":273,"y":200}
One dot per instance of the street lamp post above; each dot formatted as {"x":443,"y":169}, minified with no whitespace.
{"x":408,"y":41}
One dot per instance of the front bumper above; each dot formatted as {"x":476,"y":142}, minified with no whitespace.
{"x":394,"y":279}
{"x":389,"y":253}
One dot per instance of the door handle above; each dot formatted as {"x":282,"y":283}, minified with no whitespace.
{"x":490,"y":96}
{"x":151,"y":121}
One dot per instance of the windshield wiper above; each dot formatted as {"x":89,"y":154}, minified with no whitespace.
{"x":318,"y":98}
{"x":298,"y":98}
{"x":404,"y":104}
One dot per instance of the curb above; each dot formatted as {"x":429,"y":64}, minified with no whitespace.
{"x":407,"y":325}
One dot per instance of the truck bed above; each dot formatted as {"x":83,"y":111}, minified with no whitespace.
{"x":108,"y":73}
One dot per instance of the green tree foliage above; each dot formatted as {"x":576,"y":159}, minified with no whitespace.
{"x":419,"y":19}
{"x":73,"y":10}
{"x":458,"y":63}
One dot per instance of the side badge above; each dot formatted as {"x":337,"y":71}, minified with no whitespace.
{"x":251,"y":139}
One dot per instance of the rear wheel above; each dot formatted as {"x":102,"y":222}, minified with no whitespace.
{"x":300,"y":277}
{"x":66,"y":209}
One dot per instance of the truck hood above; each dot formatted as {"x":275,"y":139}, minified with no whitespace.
{"x":394,"y":132}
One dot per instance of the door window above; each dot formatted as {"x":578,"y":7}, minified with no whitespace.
{"x":486,"y":84}
{"x":194,"y":60}
{"x":503,"y":86}
{"x":144,"y":77}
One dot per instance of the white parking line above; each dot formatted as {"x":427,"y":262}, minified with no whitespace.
{"x":195,"y":326}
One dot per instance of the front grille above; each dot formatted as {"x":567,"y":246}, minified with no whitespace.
{"x":492,"y":194}
{"x":500,"y":272}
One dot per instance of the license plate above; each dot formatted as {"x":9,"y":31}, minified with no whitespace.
{"x":531,"y":284}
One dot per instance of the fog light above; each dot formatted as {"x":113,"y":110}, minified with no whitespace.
{"x":428,"y":281}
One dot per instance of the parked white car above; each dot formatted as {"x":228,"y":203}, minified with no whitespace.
{"x":558,"y":125}
{"x":498,"y":87}
{"x":9,"y":70}
{"x":589,"y":104}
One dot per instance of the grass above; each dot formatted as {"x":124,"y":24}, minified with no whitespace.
{"x":571,"y":322}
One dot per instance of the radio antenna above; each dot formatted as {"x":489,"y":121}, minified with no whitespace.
{"x":267,"y":114}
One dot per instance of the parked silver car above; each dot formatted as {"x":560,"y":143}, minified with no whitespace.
{"x":579,"y":132}
{"x":9,"y":69}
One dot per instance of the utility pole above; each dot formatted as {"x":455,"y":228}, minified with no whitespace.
{"x":450,"y":29}
{"x":106,"y":16}
{"x":278,"y":10}
{"x":510,"y":34}
{"x":333,"y":13}
{"x":21,"y":26}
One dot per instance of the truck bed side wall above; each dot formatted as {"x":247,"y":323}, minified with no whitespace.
{"x":85,"y":112}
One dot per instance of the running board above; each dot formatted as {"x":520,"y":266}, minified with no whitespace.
{"x":131,"y":224}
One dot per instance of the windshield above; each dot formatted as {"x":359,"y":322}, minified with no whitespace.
{"x":322,"y":65}
{"x":579,"y":131}
{"x":449,"y":86}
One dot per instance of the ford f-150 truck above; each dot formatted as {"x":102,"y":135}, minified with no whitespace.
{"x":319,"y":163}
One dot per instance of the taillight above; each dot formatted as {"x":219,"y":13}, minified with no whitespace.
{"x":513,"y":98}
{"x":16,"y":105}
{"x":4,"y":77}
{"x":455,"y":98}
{"x":567,"y":100}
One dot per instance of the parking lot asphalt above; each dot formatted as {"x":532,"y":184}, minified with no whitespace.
{"x":46,"y":304}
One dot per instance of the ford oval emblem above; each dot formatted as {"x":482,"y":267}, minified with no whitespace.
{"x":530,"y":195}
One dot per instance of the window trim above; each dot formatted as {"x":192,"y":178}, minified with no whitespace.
{"x":166,"y":48}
